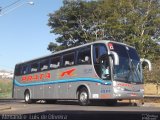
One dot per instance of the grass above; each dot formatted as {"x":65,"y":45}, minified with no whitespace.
{"x":151,"y":89}
{"x":5,"y":88}
{"x":155,"y":100}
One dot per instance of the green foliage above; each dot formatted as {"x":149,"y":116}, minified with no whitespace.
{"x":134,"y":22}
{"x":154,"y":75}
{"x":72,"y":22}
{"x":5,"y":88}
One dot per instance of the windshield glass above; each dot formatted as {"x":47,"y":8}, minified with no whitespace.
{"x":129,"y":69}
{"x":135,"y":64}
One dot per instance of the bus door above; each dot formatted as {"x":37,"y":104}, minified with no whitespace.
{"x":101,"y":61}
{"x":102,"y":67}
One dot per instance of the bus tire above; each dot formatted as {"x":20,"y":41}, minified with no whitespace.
{"x":27,"y":97}
{"x":83,"y":97}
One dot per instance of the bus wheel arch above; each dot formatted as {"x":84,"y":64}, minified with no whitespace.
{"x":83,"y":94}
{"x":27,"y":96}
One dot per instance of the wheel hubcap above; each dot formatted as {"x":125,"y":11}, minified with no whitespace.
{"x":27,"y":97}
{"x":83,"y":96}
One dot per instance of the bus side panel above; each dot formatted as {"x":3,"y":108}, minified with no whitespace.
{"x":18,"y":93}
{"x":106,"y":92}
{"x":38,"y":92}
{"x":49,"y":91}
{"x":82,"y":75}
{"x":19,"y":90}
{"x":63,"y":84}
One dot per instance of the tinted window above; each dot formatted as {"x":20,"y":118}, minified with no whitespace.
{"x":34,"y":67}
{"x":44,"y":65}
{"x":68,"y":59}
{"x":133,"y":54}
{"x":99,"y":50}
{"x":25,"y":69}
{"x":17,"y":70}
{"x":55,"y":62}
{"x":120,"y":50}
{"x":84,"y":55}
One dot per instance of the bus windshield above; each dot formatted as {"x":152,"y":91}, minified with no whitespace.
{"x":129,"y":68}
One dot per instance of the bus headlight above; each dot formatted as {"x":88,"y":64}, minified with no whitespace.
{"x":117,"y":95}
{"x":120,"y":88}
{"x":141,"y":90}
{"x":117,"y":89}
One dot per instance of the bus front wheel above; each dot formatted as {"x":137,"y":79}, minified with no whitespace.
{"x":27,"y":97}
{"x":83,"y":97}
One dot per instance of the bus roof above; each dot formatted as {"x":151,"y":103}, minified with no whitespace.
{"x":69,"y":49}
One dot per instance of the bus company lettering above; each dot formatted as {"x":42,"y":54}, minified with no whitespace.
{"x":124,"y":84}
{"x":35,"y":77}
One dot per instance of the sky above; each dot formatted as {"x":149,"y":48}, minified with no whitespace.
{"x":24,"y":33}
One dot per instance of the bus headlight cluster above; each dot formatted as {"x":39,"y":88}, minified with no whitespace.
{"x":141,"y":90}
{"x":118,"y":89}
{"x":117,"y":95}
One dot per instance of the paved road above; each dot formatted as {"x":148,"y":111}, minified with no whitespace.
{"x":72,"y":110}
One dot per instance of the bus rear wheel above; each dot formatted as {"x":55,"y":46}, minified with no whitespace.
{"x":27,"y":97}
{"x":83,"y":97}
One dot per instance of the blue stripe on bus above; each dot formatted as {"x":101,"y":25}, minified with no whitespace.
{"x":62,"y":81}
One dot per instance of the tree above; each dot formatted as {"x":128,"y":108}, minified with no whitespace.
{"x":134,"y":22}
{"x":153,"y":76}
{"x":73,"y":23}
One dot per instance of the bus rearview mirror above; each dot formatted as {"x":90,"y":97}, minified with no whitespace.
{"x":115,"y":57}
{"x":148,"y":63}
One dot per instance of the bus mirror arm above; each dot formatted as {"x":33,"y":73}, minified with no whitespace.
{"x":148,"y":62}
{"x":115,"y":57}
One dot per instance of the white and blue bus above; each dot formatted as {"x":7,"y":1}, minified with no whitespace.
{"x":102,"y":70}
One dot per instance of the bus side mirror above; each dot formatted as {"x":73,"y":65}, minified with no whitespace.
{"x":148,"y":62}
{"x":115,"y":57}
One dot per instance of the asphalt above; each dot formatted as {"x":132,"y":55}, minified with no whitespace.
{"x":5,"y":106}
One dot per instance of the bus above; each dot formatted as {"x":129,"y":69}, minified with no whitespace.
{"x":102,"y":70}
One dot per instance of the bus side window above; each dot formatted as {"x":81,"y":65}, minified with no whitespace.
{"x":87,"y":59}
{"x":96,"y":53}
{"x":25,"y":69}
{"x":84,"y":56}
{"x":34,"y":67}
{"x":55,"y":62}
{"x":99,"y":51}
{"x":18,"y":70}
{"x":68,"y":59}
{"x":44,"y":65}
